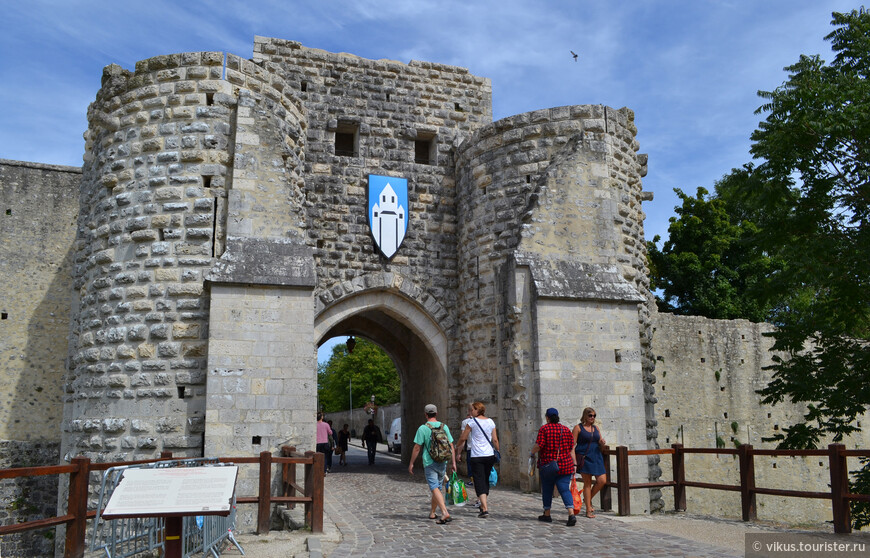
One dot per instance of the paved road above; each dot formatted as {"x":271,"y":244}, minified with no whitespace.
{"x":382,"y":511}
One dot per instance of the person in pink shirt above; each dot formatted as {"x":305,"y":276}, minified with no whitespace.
{"x":324,"y":433}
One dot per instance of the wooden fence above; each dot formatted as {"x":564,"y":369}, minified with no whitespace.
{"x":839,"y":494}
{"x":77,"y":514}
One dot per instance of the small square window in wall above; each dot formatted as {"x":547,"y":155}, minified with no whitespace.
{"x":4,"y":316}
{"x":424,"y":151}
{"x":347,"y":139}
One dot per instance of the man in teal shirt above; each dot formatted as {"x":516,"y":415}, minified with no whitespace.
{"x":435,"y":471}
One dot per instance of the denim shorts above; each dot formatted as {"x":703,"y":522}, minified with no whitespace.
{"x":435,"y":474}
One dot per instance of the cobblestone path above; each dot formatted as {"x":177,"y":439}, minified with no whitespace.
{"x":382,"y":511}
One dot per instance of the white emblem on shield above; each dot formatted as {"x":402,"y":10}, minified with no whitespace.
{"x":387,"y":221}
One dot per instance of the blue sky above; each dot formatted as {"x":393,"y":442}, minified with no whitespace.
{"x":690,"y":69}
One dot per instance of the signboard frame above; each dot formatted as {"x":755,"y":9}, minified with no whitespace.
{"x":173,"y":492}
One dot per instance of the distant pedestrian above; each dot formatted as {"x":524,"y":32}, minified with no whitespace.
{"x":343,"y":438}
{"x":556,"y":463}
{"x":371,"y":437}
{"x":435,"y":460}
{"x":588,"y":442}
{"x":465,"y":423}
{"x":482,"y":437}
{"x":323,"y":434}
{"x":331,"y":447}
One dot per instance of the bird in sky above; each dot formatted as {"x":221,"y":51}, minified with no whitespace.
{"x":574,"y":54}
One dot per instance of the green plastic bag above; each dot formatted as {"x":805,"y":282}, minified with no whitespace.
{"x":456,"y":494}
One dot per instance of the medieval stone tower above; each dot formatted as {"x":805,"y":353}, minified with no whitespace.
{"x":223,"y":234}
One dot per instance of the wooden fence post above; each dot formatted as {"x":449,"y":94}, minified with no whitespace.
{"x":679,"y":473}
{"x":288,"y":475}
{"x":314,"y":490}
{"x":623,"y":500}
{"x":839,"y":488}
{"x":747,"y":482}
{"x":77,"y":506}
{"x":264,"y":500}
{"x":605,"y":499}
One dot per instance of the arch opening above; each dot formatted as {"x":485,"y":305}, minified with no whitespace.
{"x":409,"y":336}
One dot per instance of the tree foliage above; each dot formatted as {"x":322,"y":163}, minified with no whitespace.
{"x":709,"y":266}
{"x":816,"y":138}
{"x":816,"y":141}
{"x":368,"y":370}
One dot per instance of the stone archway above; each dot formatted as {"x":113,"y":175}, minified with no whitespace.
{"x":406,"y":331}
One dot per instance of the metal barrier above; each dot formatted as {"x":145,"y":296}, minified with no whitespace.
{"x":122,"y":538}
{"x":208,"y":534}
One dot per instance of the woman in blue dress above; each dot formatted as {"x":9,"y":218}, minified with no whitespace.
{"x":587,"y":447}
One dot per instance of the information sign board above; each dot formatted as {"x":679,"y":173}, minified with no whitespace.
{"x":154,"y":492}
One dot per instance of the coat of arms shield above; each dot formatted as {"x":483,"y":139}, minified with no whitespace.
{"x":388,"y":212}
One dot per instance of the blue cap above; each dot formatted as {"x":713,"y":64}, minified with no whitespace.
{"x":552,"y":412}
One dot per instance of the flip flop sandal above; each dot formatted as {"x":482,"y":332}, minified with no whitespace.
{"x":442,"y":521}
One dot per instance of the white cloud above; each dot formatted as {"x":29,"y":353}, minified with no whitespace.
{"x":688,"y":68}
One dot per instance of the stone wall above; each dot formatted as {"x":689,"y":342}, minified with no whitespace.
{"x":37,"y":222}
{"x":387,"y":106}
{"x":262,"y":388}
{"x":28,"y":499}
{"x":384,"y":418}
{"x":708,"y":375}
{"x":390,"y":109}
{"x":37,"y":213}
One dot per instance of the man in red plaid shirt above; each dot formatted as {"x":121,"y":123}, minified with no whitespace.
{"x":556,"y":463}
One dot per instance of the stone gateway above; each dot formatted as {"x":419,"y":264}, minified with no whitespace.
{"x":225,"y":231}
{"x":232,"y":215}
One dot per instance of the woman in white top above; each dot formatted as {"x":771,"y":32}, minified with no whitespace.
{"x":480,"y":430}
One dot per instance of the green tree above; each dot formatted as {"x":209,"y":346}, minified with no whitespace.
{"x":709,"y":266}
{"x":816,"y":141}
{"x":368,"y":367}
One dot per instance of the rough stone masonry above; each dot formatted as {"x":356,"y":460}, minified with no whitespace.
{"x":222,"y":235}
